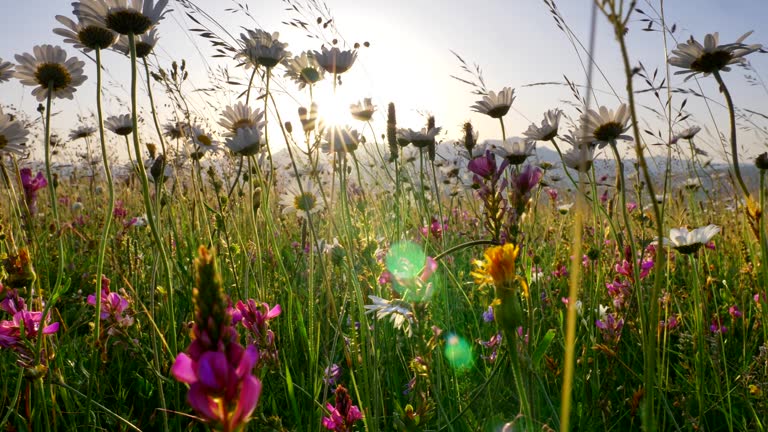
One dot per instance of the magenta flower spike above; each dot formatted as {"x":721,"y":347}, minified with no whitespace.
{"x":218,"y":370}
{"x":31,"y":185}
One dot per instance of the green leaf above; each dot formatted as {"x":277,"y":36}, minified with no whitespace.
{"x":292,"y":395}
{"x":546,"y":341}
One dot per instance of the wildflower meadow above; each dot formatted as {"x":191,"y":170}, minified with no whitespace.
{"x":263,"y":266}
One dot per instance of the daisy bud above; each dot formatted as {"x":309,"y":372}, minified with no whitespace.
{"x":256,"y":199}
{"x":761,"y":162}
{"x":469,"y":137}
{"x":431,"y":146}
{"x":392,"y":131}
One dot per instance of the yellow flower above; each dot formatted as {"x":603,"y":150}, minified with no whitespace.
{"x":500,"y":263}
{"x":499,"y":267}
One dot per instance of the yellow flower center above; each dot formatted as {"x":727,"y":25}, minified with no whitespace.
{"x":96,"y":37}
{"x":608,"y":132}
{"x":243,"y":122}
{"x":711,"y":61}
{"x":53,"y":75}
{"x":204,"y":139}
{"x":128,"y":21}
{"x":305,"y":202}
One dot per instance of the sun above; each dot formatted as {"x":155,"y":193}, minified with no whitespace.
{"x":333,"y":111}
{"x":333,"y":107}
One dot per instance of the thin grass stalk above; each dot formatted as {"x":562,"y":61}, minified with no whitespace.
{"x":52,"y":192}
{"x":698,"y":316}
{"x":109,"y":212}
{"x":150,"y":217}
{"x":732,"y":122}
{"x":153,"y":110}
{"x":650,"y":420}
{"x":575,"y":275}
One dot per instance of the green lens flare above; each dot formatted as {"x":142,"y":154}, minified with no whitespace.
{"x":458,"y":352}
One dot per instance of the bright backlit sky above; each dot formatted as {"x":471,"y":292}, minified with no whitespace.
{"x":515,"y":42}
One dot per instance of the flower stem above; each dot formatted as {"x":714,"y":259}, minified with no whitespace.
{"x":52,"y":190}
{"x":110,"y":197}
{"x":150,"y":217}
{"x":650,"y":420}
{"x":732,"y":119}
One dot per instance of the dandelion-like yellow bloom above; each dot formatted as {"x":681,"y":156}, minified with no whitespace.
{"x":498,"y":267}
{"x":500,"y":263}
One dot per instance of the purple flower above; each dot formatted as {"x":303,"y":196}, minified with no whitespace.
{"x":631,"y":206}
{"x":619,"y":292}
{"x":255,"y":316}
{"x":119,"y":212}
{"x":488,"y":315}
{"x":527,"y":179}
{"x":332,"y":374}
{"x":735,"y":312}
{"x":670,"y":324}
{"x":31,"y":185}
{"x":717,"y":326}
{"x":483,"y":166}
{"x":11,"y":335}
{"x":343,"y":415}
{"x":604,"y":196}
{"x":560,"y":272}
{"x":434,"y":229}
{"x":610,"y":327}
{"x":113,"y":305}
{"x":552,"y":194}
{"x":221,"y":387}
{"x":624,"y":268}
{"x":217,"y":368}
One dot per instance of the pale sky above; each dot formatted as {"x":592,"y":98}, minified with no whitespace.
{"x":516,"y":43}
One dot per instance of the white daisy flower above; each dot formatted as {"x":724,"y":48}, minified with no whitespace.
{"x":261,"y":48}
{"x":13,"y":135}
{"x":120,"y":125}
{"x":303,"y":204}
{"x":144,"y":44}
{"x":303,"y":69}
{"x":81,"y":132}
{"x":174,"y":130}
{"x":580,"y":158}
{"x":697,"y":58}
{"x":341,"y":139}
{"x":687,"y":242}
{"x":398,"y":311}
{"x":334,"y":60}
{"x":688,"y":133}
{"x":122,"y":16}
{"x":239,"y":116}
{"x":49,"y":66}
{"x":159,"y":169}
{"x":564,"y":208}
{"x":606,"y":126}
{"x":246,"y":142}
{"x":6,"y":71}
{"x":515,"y":150}
{"x":420,"y":139}
{"x":86,"y":34}
{"x":362,"y":111}
{"x":495,"y":105}
{"x":548,"y":128}
{"x":202,"y":141}
{"x":692,"y":183}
